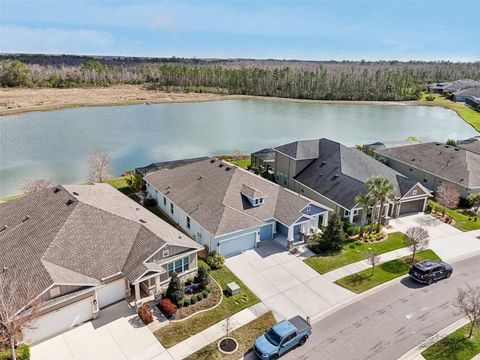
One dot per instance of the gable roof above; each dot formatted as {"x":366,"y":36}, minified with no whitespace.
{"x":472,"y":144}
{"x":462,"y":84}
{"x":454,"y":164}
{"x":144,"y":170}
{"x":300,"y":150}
{"x":80,"y":234}
{"x":210,"y":192}
{"x":340,"y":173}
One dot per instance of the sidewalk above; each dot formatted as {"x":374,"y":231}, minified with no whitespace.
{"x":215,"y":332}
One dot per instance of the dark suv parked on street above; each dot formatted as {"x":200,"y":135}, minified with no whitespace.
{"x":428,"y":271}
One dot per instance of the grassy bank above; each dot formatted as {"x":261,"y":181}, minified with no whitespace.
{"x":466,"y":113}
{"x":245,"y":336}
{"x":455,"y":346}
{"x":174,"y":333}
{"x":364,"y":280}
{"x":354,"y":251}
{"x":463,"y":220}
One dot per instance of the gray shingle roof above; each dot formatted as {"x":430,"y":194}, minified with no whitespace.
{"x":300,"y":150}
{"x":462,"y":84}
{"x":449,"y":162}
{"x":80,"y":239}
{"x":471,"y":91}
{"x":212,"y":196}
{"x":340,"y":173}
{"x":470,"y":144}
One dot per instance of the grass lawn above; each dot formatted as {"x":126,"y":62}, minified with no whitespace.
{"x":354,"y":251}
{"x":174,"y":333}
{"x":462,"y":220}
{"x":244,"y":163}
{"x":245,"y":336}
{"x":11,"y":198}
{"x":390,"y":270}
{"x":466,"y":113}
{"x":455,"y":346}
{"x":120,"y":184}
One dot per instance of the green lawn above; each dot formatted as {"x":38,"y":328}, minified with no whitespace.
{"x":245,"y":336}
{"x":465,"y":112}
{"x":120,"y":184}
{"x":363,"y":280}
{"x":244,"y":163}
{"x":354,"y":251}
{"x":455,"y":346}
{"x":11,"y":198}
{"x":174,"y":333}
{"x":462,"y":220}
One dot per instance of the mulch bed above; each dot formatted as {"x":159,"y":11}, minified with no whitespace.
{"x":211,"y":300}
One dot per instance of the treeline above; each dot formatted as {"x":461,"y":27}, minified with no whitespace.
{"x":330,"y":80}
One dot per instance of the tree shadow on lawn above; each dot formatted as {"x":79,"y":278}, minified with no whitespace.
{"x":398,"y":266}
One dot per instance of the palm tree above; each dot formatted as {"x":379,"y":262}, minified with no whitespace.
{"x":366,"y":202}
{"x":382,"y":191}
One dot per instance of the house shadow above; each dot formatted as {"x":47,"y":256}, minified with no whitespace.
{"x":268,"y":248}
{"x":115,"y":312}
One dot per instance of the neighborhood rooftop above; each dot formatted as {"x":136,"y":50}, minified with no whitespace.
{"x":448,"y":162}
{"x":214,"y":194}
{"x":80,"y":234}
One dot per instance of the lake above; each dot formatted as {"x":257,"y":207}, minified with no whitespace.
{"x":55,"y":144}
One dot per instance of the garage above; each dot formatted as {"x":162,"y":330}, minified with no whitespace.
{"x":111,"y":293}
{"x":60,"y":320}
{"x":414,"y":206}
{"x":237,"y":245}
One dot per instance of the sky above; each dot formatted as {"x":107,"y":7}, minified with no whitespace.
{"x":310,"y":30}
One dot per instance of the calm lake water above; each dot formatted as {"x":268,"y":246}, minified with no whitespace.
{"x":55,"y":144}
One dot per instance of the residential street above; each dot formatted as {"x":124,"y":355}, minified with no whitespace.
{"x":390,"y":322}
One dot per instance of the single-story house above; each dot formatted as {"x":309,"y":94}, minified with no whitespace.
{"x":263,"y":159}
{"x":437,"y":88}
{"x":472,"y":144}
{"x":457,"y":85}
{"x":388,"y":144}
{"x":333,"y":174}
{"x":230,"y":210}
{"x":463,"y":94}
{"x":80,"y":248}
{"x":144,"y":170}
{"x":473,"y":102}
{"x":435,"y":163}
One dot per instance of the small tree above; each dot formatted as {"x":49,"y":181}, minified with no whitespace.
{"x":412,"y":138}
{"x":14,"y":73}
{"x":215,"y":260}
{"x":468,"y":304}
{"x":372,"y":259}
{"x":98,"y":166}
{"x":228,"y":325}
{"x":332,"y":238}
{"x":448,"y":196}
{"x":236,"y":155}
{"x":203,"y":278}
{"x":19,"y":307}
{"x":134,"y":181}
{"x":175,"y":290}
{"x":34,"y":185}
{"x":474,"y":200}
{"x":451,"y":142}
{"x":416,"y":238}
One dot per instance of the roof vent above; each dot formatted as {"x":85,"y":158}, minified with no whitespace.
{"x":212,"y":161}
{"x":168,"y":187}
{"x":323,"y":163}
{"x":56,"y":190}
{"x":447,"y":147}
{"x":227,"y":168}
{"x":438,"y":144}
{"x":220,"y":165}
{"x":70,"y":202}
{"x":75,"y":193}
{"x":3,"y":227}
{"x":413,"y":159}
{"x":142,"y":221}
{"x":335,"y":177}
{"x":199,"y":178}
{"x":26,"y":218}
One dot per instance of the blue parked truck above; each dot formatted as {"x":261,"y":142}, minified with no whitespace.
{"x":282,"y":337}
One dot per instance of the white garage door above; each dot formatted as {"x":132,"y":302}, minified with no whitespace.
{"x":60,"y":320}
{"x":111,"y":293}
{"x":237,"y":245}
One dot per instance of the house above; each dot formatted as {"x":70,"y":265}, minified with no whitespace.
{"x":388,"y":144}
{"x":472,"y":144}
{"x":435,"y":163}
{"x":333,"y":174}
{"x":461,"y":85}
{"x":230,"y":210}
{"x":437,"y":88}
{"x":81,"y":248}
{"x":463,"y":94}
{"x":166,"y":165}
{"x":263,"y":159}
{"x":473,"y":102}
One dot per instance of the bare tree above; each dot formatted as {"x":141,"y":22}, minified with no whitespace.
{"x":448,"y":196}
{"x":236,"y":155}
{"x":372,"y":259}
{"x":228,"y":325}
{"x":98,"y":166}
{"x":34,"y":185}
{"x":416,"y":238}
{"x":468,"y":304}
{"x":15,"y":315}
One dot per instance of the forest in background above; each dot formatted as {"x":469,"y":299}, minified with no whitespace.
{"x":316,"y":80}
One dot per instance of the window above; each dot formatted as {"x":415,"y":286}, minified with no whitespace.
{"x":165,"y":253}
{"x":164,"y":201}
{"x":309,"y":207}
{"x":179,"y":266}
{"x":261,"y":200}
{"x":346,"y":213}
{"x":171,"y":208}
{"x":188,"y":222}
{"x":256,"y":201}
{"x":289,"y":337}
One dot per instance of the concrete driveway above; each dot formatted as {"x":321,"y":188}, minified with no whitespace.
{"x":284,"y":282}
{"x":447,"y":241}
{"x":117,"y":334}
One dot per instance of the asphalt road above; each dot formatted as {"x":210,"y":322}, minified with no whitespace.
{"x":389,"y":323}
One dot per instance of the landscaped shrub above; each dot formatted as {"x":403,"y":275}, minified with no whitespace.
{"x":199,"y":296}
{"x":428,"y":208}
{"x":148,"y":202}
{"x":186,"y":302}
{"x":215,"y":260}
{"x":193,"y":299}
{"x":181,"y":303}
{"x":202,"y":278}
{"x":332,"y":238}
{"x":430,"y":97}
{"x":205,"y":293}
{"x":175,"y":290}
{"x":168,"y":307}
{"x":23,"y":353}
{"x":145,"y":313}
{"x":189,"y":281}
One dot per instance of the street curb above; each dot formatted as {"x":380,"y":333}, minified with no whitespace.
{"x":417,"y":351}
